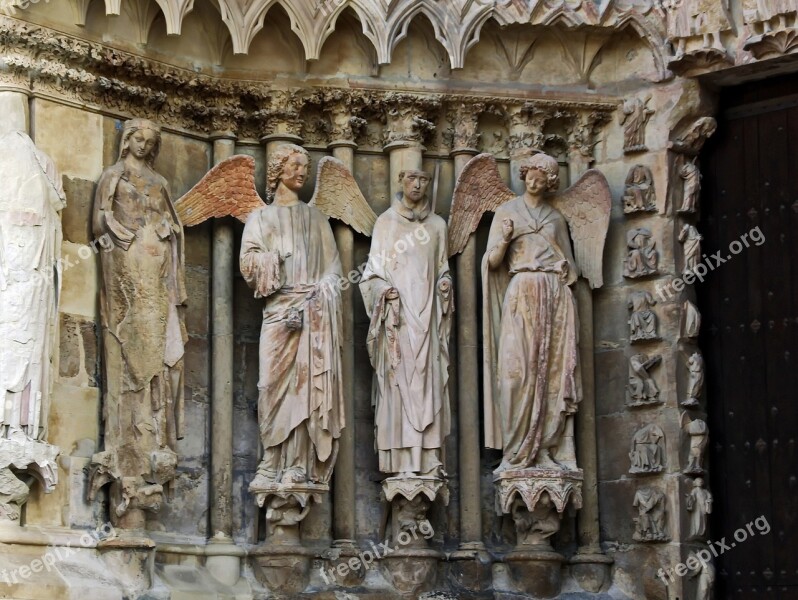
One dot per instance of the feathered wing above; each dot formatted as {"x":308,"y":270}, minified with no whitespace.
{"x":586,"y":206}
{"x":227,"y":189}
{"x":338,"y":196}
{"x":479,"y":189}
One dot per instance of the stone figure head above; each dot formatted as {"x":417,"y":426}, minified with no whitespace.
{"x":540,"y":173}
{"x":142,"y":138}
{"x":414,"y":184}
{"x":289,"y":165}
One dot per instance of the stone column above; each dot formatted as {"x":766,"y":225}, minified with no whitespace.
{"x":344,"y":524}
{"x":526,"y":136}
{"x":282,"y":122}
{"x":471,"y":562}
{"x":590,"y":565}
{"x":15,"y":108}
{"x":223,"y":561}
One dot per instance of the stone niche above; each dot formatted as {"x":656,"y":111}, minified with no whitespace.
{"x":383,"y":87}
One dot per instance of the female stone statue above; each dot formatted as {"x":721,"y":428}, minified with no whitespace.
{"x":142,"y":300}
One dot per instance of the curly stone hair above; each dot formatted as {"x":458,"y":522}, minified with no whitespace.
{"x":276,"y":163}
{"x":547,"y":164}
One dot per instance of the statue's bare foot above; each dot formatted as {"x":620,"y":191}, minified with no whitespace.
{"x":294,"y":475}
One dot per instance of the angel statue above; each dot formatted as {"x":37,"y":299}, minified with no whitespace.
{"x":289,"y":258}
{"x":532,"y":383}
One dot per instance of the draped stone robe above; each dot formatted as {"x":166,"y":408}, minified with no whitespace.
{"x":408,"y":338}
{"x":530,"y":327}
{"x":30,"y":245}
{"x":289,"y":257}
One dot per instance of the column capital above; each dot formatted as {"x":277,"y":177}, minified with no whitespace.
{"x":466,"y":128}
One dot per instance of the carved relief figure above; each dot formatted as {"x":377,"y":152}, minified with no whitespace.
{"x":650,"y":520}
{"x":634,"y":117}
{"x":31,"y":199}
{"x":533,"y":384}
{"x":642,"y":389}
{"x":648,"y":450}
{"x":639,"y":193}
{"x":695,"y":382}
{"x":141,"y":304}
{"x":699,"y":438}
{"x":679,"y":24}
{"x":709,"y":20}
{"x":642,"y":257}
{"x":691,"y":247}
{"x":691,"y":320}
{"x":407,"y":290}
{"x":691,"y":186}
{"x":699,"y":505}
{"x":643,"y":321}
{"x":289,"y":257}
{"x":705,"y":574}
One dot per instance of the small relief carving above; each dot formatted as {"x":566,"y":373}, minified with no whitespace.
{"x":699,"y":505}
{"x":698,"y":431}
{"x":691,"y":247}
{"x":643,"y":321}
{"x":639,"y":194}
{"x":704,"y":572}
{"x":691,"y":139}
{"x":642,"y":390}
{"x":769,"y":16}
{"x":535,"y":527}
{"x":650,"y":520}
{"x":634,"y":117}
{"x":695,"y":381}
{"x":691,"y":320}
{"x":694,"y":30}
{"x":648,"y":450}
{"x":642,"y":255}
{"x":691,"y":187}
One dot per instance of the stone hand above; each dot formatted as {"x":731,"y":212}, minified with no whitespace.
{"x":392,"y":294}
{"x":507,"y":230}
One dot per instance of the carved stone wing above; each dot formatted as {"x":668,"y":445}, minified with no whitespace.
{"x":227,"y":189}
{"x":586,"y":206}
{"x":479,"y":189}
{"x":338,"y":196}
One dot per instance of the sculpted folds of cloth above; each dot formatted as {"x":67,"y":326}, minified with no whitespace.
{"x":407,"y":291}
{"x":289,"y":257}
{"x":141,"y":303}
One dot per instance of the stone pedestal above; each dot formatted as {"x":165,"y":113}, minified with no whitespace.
{"x":22,"y":454}
{"x":536,"y":498}
{"x":131,"y":558}
{"x":282,"y":564}
{"x":591,"y":570}
{"x":408,"y":562}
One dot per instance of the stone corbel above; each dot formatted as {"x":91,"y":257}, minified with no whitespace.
{"x":410,"y":120}
{"x":281,"y":119}
{"x":466,"y":135}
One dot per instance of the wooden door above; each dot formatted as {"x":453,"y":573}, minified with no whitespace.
{"x":749,"y":305}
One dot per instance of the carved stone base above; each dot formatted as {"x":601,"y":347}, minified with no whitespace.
{"x":532,"y":573}
{"x":469,"y":568}
{"x":132,"y":561}
{"x":282,"y":569}
{"x":698,"y":61}
{"x":591,"y":570}
{"x":410,"y":498}
{"x":773,"y":43}
{"x":412,"y":571}
{"x":287,"y":504}
{"x":17,"y":454}
{"x":536,"y":498}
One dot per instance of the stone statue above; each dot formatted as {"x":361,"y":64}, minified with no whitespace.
{"x":642,"y":256}
{"x":532,"y":380}
{"x":650,"y":520}
{"x":691,"y":188}
{"x":634,"y":117}
{"x":141,"y":304}
{"x":691,"y":246}
{"x":639,"y":193}
{"x":691,"y":320}
{"x":31,"y":199}
{"x":407,"y":291}
{"x":695,"y":381}
{"x":289,"y":258}
{"x":699,"y":505}
{"x":648,"y":450}
{"x":771,"y":13}
{"x":709,"y":20}
{"x":643,"y":321}
{"x":641,"y":389}
{"x":698,"y":430}
{"x":705,"y":574}
{"x":679,"y":24}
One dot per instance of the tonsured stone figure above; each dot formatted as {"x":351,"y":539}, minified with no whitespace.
{"x":407,"y":290}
